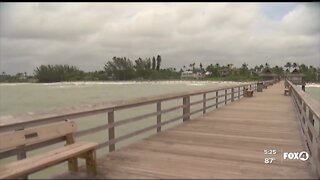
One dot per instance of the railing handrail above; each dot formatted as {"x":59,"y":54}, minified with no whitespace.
{"x":311,"y":103}
{"x":96,"y":108}
{"x":308,"y":111}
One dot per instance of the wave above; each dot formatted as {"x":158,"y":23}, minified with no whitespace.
{"x":317,"y":85}
{"x":90,"y":83}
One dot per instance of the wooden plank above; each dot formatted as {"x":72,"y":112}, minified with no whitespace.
{"x":22,"y":154}
{"x":111,"y":131}
{"x":210,"y":106}
{"x":121,"y":138}
{"x":36,"y":134}
{"x":212,"y":98}
{"x":197,"y":167}
{"x":186,"y":108}
{"x":232,"y":94}
{"x":92,"y":130}
{"x":72,"y":162}
{"x":159,"y":116}
{"x":204,"y":103}
{"x":124,"y":121}
{"x":91,"y":163}
{"x":247,"y":143}
{"x":196,"y":111}
{"x":12,"y":152}
{"x":225,"y":96}
{"x":310,"y":102}
{"x":217,"y":99}
{"x":212,"y":152}
{"x":35,"y":163}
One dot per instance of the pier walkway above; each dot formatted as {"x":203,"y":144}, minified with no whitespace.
{"x":228,"y":142}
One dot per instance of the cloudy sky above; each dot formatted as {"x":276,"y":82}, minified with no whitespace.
{"x":89,"y":34}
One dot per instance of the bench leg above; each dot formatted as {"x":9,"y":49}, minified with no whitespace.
{"x":73,"y":164}
{"x":91,"y":163}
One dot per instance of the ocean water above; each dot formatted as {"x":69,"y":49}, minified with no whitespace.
{"x":314,"y":92}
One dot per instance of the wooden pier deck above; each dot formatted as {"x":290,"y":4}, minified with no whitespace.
{"x":228,"y":142}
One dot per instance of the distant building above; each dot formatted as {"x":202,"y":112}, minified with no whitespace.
{"x":208,"y":73}
{"x":189,"y":75}
{"x":296,"y":77}
{"x":225,"y":71}
{"x":267,"y":75}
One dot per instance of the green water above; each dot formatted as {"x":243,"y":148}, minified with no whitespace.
{"x":314,"y":92}
{"x":19,"y":98}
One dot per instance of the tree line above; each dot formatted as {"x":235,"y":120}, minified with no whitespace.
{"x":122,"y":68}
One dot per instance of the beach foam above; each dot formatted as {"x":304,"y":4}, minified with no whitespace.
{"x":90,"y":83}
{"x":313,"y":85}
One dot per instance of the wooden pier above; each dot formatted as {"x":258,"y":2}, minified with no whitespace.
{"x":245,"y":138}
{"x":228,"y":142}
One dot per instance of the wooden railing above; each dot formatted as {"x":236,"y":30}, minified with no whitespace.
{"x":15,"y":123}
{"x":308,"y":111}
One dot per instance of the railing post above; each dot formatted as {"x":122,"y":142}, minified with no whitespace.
{"x":186,"y":108}
{"x":250,"y":87}
{"x":225,"y":96}
{"x":22,"y":155}
{"x":232,"y":94}
{"x":159,"y":116}
{"x":111,"y":130}
{"x":217,"y":99}
{"x":238,"y":93}
{"x":204,"y":103}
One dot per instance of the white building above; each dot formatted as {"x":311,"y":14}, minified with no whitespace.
{"x":187,"y":75}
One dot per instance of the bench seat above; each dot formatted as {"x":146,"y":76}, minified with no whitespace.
{"x":286,"y":91}
{"x":38,"y":162}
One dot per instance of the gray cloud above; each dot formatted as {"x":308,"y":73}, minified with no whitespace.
{"x":89,"y":34}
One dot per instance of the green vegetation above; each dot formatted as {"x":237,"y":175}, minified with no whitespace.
{"x":56,"y":73}
{"x":122,"y":68}
{"x":235,"y":78}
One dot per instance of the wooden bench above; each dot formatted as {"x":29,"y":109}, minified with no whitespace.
{"x":247,"y":93}
{"x":265,"y":85}
{"x":70,"y":152}
{"x":287,"y":91}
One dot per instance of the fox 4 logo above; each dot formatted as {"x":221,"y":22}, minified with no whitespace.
{"x":303,"y":156}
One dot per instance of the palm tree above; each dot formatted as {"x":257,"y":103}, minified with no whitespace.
{"x":267,"y":65}
{"x":244,"y":66}
{"x":288,"y":66}
{"x":261,"y":67}
{"x":256,"y":68}
{"x":294,"y":65}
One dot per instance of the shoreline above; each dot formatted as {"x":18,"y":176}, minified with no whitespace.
{"x":123,"y":82}
{"x":186,"y":82}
